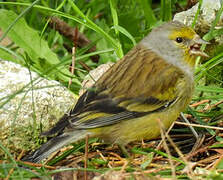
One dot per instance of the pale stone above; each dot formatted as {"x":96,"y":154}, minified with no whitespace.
{"x":209,"y":9}
{"x":26,"y":108}
{"x":93,"y":76}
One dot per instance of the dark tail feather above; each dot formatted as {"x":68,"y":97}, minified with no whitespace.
{"x":53,"y":145}
{"x":59,"y":126}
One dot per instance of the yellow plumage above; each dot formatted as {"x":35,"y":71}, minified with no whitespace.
{"x":154,"y":81}
{"x":169,"y":85}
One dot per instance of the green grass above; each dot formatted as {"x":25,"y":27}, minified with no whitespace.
{"x":115,"y":27}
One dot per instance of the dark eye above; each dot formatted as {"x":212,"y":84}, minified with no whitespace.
{"x":179,"y":39}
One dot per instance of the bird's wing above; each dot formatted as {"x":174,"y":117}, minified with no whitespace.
{"x":108,"y":111}
{"x":141,"y":84}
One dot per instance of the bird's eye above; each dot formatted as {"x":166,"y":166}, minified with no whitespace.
{"x":179,"y":39}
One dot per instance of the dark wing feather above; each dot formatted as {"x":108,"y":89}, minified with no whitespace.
{"x":114,"y":113}
{"x":116,"y":118}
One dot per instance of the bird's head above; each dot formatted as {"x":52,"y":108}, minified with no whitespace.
{"x":186,"y":39}
{"x":176,"y":43}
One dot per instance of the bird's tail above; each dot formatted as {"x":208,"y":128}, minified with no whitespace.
{"x":53,"y":145}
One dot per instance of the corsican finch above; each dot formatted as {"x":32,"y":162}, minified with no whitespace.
{"x":153,"y":81}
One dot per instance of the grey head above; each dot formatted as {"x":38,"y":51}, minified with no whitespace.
{"x":163,"y":40}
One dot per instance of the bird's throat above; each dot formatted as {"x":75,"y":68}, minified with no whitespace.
{"x":190,"y":59}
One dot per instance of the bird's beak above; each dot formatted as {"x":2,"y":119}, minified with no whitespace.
{"x":195,"y":47}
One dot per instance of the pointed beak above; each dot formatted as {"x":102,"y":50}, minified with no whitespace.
{"x":195,"y":47}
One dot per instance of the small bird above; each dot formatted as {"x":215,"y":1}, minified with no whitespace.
{"x":153,"y":81}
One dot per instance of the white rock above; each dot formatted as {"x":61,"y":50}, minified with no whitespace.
{"x":25,"y":107}
{"x":93,"y":76}
{"x":207,"y":15}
